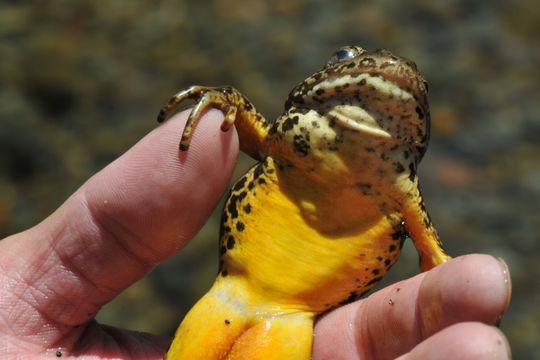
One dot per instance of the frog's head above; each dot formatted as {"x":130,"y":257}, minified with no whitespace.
{"x":378,"y":94}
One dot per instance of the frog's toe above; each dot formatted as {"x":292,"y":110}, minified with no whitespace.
{"x":214,"y":99}
{"x":230,"y":117}
{"x":191,"y":123}
{"x":193,"y":92}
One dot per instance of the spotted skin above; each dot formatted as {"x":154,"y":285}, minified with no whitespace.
{"x":323,"y":215}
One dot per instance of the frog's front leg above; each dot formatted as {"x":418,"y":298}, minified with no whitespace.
{"x":251,"y":126}
{"x":420,"y":228}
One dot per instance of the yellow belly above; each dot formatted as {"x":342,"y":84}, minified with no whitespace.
{"x":308,"y":253}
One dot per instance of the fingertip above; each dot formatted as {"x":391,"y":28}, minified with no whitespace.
{"x":161,"y":193}
{"x":507,"y":280}
{"x":469,"y":288}
{"x":473,"y":287}
{"x":212,"y":146}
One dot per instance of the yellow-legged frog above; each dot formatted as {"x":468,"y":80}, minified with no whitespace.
{"x":322,"y":216}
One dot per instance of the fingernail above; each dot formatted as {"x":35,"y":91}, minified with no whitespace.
{"x":507,"y":282}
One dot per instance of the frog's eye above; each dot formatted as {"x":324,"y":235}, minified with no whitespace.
{"x":345,"y":54}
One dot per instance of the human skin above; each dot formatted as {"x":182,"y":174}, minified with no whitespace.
{"x":147,"y":205}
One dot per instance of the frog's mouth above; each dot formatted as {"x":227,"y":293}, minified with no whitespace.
{"x":358,"y":119}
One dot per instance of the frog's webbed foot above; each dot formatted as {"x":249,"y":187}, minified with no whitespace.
{"x":205,"y":97}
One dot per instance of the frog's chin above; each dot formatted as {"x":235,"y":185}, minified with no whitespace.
{"x":357,"y":119}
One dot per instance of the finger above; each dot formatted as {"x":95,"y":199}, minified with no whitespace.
{"x":474,"y":341}
{"x":474,"y":288}
{"x":393,"y":320}
{"x":134,"y":213}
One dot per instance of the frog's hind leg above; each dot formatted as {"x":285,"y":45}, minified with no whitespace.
{"x":210,"y":328}
{"x":282,"y":337}
{"x":225,"y":324}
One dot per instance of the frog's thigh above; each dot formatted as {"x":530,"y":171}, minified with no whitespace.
{"x":209,"y":329}
{"x":282,"y":337}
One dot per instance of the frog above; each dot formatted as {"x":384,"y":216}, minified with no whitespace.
{"x":322,"y":215}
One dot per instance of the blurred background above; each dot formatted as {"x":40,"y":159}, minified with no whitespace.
{"x":81,"y":82}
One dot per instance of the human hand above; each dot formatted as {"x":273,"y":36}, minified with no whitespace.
{"x":147,"y":205}
{"x":449,"y":312}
